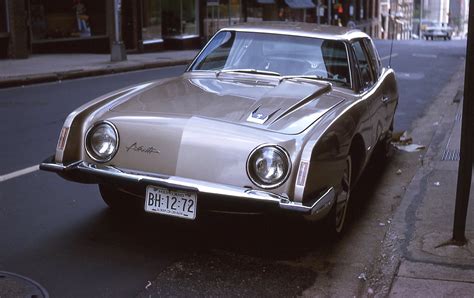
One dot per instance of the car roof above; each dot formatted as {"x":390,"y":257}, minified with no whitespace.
{"x":300,"y":29}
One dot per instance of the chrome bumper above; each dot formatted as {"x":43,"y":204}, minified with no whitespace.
{"x":317,"y":207}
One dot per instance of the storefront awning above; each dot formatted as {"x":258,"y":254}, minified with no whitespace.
{"x":266,"y":1}
{"x":299,"y":4}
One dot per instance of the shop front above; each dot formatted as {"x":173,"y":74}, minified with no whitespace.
{"x":281,"y":10}
{"x":68,"y":26}
{"x":180,"y":25}
{"x":152,"y":25}
{"x":220,"y":14}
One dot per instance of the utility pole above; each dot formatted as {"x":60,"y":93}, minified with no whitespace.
{"x":467,"y":141}
{"x":421,"y":18}
{"x":117,"y":52}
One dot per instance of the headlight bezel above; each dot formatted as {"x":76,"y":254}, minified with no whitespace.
{"x":254,"y":177}
{"x":90,"y":150}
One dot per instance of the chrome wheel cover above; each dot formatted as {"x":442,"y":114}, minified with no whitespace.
{"x":343,"y":197}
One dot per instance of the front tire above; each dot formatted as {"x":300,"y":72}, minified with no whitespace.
{"x":336,"y":219}
{"x":342,"y":201}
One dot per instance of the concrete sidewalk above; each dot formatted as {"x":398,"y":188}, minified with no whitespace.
{"x":416,"y":260}
{"x":55,"y":67}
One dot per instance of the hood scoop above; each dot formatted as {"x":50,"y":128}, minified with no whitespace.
{"x":261,"y":115}
{"x":265,"y":111}
{"x":315,"y":95}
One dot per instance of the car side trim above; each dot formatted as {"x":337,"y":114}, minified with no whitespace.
{"x":83,"y":171}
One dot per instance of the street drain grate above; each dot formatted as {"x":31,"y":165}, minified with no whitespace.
{"x":14,"y":285}
{"x":458,"y":116}
{"x":451,"y":155}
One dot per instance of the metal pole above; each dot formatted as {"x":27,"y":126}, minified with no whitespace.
{"x":421,"y":18}
{"x":229,"y":12}
{"x":318,"y":17}
{"x":117,"y":52}
{"x":117,"y":8}
{"x":329,"y":11}
{"x":467,"y":141}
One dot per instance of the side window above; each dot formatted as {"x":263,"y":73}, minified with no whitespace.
{"x":365,"y":71}
{"x":374,"y":57}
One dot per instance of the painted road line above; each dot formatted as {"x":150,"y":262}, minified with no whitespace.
{"x":19,"y":173}
{"x":425,"y":55}
{"x":388,"y":57}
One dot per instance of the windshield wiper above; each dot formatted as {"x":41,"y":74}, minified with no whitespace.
{"x":316,"y":78}
{"x":249,"y":70}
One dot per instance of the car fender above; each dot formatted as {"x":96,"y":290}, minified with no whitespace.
{"x":75,"y":125}
{"x":322,"y":159}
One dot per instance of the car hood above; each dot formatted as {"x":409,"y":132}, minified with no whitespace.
{"x":286,"y":106}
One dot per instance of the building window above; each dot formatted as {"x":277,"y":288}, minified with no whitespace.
{"x":180,"y":18}
{"x":54,"y":19}
{"x":151,"y":30}
{"x":3,"y":16}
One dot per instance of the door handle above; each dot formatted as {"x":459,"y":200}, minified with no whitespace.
{"x":385,"y":99}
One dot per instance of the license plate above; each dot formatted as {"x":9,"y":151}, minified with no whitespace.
{"x":171,"y":202}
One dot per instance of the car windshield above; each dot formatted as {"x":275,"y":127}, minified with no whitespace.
{"x":275,"y":54}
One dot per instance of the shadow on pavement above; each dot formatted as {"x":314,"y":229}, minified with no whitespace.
{"x":264,"y":236}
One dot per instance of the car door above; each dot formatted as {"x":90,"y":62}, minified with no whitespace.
{"x":387,"y":104}
{"x":369,"y":88}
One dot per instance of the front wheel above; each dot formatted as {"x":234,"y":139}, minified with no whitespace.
{"x":336,"y":219}
{"x":342,"y":200}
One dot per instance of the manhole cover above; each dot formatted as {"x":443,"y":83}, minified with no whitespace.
{"x":14,"y":285}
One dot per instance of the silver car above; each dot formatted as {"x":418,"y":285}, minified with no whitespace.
{"x":436,"y":30}
{"x":268,"y":116}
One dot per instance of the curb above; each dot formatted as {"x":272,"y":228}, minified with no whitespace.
{"x":75,"y":74}
{"x":394,"y":249}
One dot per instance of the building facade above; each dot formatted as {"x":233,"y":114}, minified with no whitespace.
{"x":458,"y":16}
{"x":52,"y":26}
{"x":436,"y":10}
{"x":397,"y":19}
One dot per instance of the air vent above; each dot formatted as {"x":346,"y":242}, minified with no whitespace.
{"x":260,"y":115}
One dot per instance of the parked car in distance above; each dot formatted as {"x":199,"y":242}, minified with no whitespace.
{"x":436,"y":30}
{"x":268,"y":116}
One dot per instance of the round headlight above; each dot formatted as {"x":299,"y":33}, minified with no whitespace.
{"x":268,"y":166}
{"x":102,"y":141}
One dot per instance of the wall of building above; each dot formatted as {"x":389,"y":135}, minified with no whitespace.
{"x":397,"y":19}
{"x":436,"y":10}
{"x":458,"y":16}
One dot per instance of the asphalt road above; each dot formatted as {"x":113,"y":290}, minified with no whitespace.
{"x":62,"y":235}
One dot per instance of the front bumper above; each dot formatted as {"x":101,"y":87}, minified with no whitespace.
{"x":436,"y":34}
{"x":85,"y":172}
